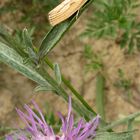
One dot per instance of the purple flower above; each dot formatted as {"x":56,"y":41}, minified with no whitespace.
{"x":38,"y":129}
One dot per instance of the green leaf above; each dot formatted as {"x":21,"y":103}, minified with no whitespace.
{"x":124,"y":39}
{"x":67,"y":83}
{"x":121,"y":121}
{"x":130,"y":127}
{"x":11,"y":41}
{"x":44,"y":88}
{"x":2,"y":138}
{"x":100,"y":97}
{"x":138,"y":43}
{"x":29,"y":45}
{"x":57,"y":32}
{"x":131,"y":45}
{"x":14,"y":60}
{"x":27,"y":39}
{"x":114,"y":136}
{"x":57,"y":73}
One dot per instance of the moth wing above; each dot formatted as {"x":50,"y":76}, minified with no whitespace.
{"x":64,"y":11}
{"x":62,"y":6}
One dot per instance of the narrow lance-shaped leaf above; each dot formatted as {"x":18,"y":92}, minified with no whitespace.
{"x":29,"y":45}
{"x":130,"y":127}
{"x":67,"y":83}
{"x":14,"y":60}
{"x":114,"y":136}
{"x":11,"y":41}
{"x":121,"y":121}
{"x":57,"y":32}
{"x":57,"y":73}
{"x":27,"y":38}
{"x":44,"y":88}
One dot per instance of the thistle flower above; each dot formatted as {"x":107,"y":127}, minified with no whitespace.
{"x":38,"y":129}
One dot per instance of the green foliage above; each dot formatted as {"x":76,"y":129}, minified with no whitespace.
{"x":57,"y":73}
{"x":115,"y":19}
{"x":114,"y":136}
{"x":94,"y":63}
{"x":15,"y":49}
{"x":100,"y":95}
{"x":93,"y":60}
{"x":51,"y":118}
{"x":57,"y":32}
{"x":13,"y":53}
{"x":21,"y":43}
{"x":124,"y":83}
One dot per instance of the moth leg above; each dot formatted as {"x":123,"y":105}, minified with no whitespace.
{"x":77,"y":14}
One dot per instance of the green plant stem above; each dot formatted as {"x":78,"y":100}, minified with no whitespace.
{"x":60,"y":91}
{"x":6,"y":129}
{"x":100,"y":84}
{"x":121,"y":121}
{"x":40,"y":76}
{"x":2,"y":138}
{"x":67,"y":83}
{"x":130,"y":127}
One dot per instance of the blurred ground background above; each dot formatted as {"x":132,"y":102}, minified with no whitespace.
{"x":16,"y":90}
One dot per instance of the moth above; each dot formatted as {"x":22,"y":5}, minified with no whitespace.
{"x":64,"y":10}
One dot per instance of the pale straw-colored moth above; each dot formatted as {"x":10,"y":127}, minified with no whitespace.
{"x":64,"y":10}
